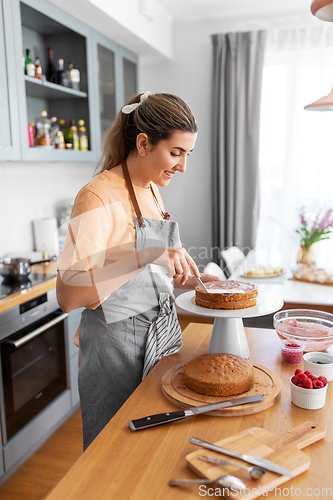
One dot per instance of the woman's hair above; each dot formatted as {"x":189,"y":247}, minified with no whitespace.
{"x":158,"y":116}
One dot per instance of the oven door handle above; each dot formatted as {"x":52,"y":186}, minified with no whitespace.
{"x":35,"y":333}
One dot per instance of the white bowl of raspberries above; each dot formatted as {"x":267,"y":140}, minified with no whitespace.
{"x":307,"y":390}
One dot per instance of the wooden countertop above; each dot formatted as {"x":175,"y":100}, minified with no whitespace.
{"x":122,"y":464}
{"x":15,"y":299}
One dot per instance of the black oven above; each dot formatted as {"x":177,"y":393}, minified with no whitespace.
{"x":33,"y":365}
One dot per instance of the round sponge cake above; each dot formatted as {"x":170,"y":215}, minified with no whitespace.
{"x":227,"y":295}
{"x":219,"y":374}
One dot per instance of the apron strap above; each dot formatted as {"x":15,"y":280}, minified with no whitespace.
{"x":132,"y":194}
{"x":129,"y":184}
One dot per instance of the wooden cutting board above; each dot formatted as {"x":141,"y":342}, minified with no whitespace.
{"x":282,"y":449}
{"x":266,"y":382}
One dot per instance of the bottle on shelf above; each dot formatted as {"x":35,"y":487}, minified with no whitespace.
{"x":73,"y":76}
{"x":31,"y":134}
{"x":43,"y":126}
{"x":59,"y":141}
{"x":61,"y":74}
{"x":55,"y":127}
{"x":83,"y":136}
{"x":38,"y":69}
{"x":51,"y":72}
{"x":73,"y":136}
{"x":66,"y":130}
{"x":29,"y":67}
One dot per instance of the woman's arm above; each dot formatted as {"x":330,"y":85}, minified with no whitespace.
{"x":85,"y":288}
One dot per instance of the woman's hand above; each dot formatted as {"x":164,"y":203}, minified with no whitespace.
{"x":177,"y":262}
{"x":191,"y":283}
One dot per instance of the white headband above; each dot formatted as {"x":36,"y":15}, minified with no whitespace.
{"x":131,"y":107}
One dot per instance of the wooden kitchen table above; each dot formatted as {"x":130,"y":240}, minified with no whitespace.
{"x":125,"y":465}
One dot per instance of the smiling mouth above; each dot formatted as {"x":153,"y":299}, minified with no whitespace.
{"x":168,"y":174}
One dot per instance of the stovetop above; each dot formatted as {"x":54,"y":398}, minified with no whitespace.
{"x":9,"y":286}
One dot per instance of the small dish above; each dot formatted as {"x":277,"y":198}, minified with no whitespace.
{"x":292,"y":353}
{"x":309,"y":399}
{"x":319,"y":363}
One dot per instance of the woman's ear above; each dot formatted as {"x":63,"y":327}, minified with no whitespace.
{"x":142,"y":144}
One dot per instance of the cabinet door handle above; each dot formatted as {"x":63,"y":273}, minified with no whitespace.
{"x":35,"y":333}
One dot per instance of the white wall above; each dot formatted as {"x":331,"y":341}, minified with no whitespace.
{"x":30,"y":191}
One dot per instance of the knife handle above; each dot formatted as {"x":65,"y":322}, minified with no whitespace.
{"x":152,"y":420}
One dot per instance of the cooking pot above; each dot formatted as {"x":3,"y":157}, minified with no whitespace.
{"x":18,"y":267}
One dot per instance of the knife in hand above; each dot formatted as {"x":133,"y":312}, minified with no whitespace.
{"x":165,"y":418}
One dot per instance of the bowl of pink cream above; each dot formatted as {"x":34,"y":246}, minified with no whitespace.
{"x":311,"y":329}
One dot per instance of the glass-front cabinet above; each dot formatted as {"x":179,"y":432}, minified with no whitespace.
{"x":62,"y":84}
{"x":9,"y":129}
{"x":117,"y":79}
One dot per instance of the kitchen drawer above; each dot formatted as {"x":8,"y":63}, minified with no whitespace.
{"x":72,"y":322}
{"x":37,"y":431}
{"x":74,"y":370}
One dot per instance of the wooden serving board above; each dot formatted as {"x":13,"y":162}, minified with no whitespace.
{"x":311,"y":282}
{"x":266,"y":382}
{"x":282,"y":449}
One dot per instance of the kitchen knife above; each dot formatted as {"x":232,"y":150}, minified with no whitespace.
{"x":164,"y":418}
{"x":251,"y":459}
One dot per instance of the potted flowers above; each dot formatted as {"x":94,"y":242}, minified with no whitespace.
{"x":311,"y":232}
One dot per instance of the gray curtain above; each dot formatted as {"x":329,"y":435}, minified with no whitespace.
{"x":236,"y":94}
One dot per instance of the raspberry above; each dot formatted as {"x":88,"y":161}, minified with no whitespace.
{"x":317,"y":384}
{"x":307,"y":383}
{"x":307,"y":373}
{"x":312,"y":377}
{"x":323,"y":379}
{"x":301,"y":376}
{"x":297,"y":371}
{"x":300,"y":385}
{"x":294,"y":380}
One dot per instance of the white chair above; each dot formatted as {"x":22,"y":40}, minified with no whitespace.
{"x":214,"y":269}
{"x":232,"y":257}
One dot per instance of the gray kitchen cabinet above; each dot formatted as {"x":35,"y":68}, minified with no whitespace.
{"x":116,"y":72}
{"x":42,"y":25}
{"x":2,"y":469}
{"x":72,"y":322}
{"x":9,"y":124}
{"x":108,"y":78}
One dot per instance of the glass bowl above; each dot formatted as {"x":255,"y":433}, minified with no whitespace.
{"x":313,"y":329}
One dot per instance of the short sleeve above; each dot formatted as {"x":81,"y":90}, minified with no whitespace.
{"x":87,"y":235}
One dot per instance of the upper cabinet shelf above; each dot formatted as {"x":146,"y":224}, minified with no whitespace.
{"x":108,"y":77}
{"x":47,"y":90}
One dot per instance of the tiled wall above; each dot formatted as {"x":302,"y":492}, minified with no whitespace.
{"x":30,"y":191}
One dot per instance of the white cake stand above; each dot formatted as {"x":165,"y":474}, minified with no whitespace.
{"x":228,"y":334}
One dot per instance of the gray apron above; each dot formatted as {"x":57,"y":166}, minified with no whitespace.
{"x":125,"y":336}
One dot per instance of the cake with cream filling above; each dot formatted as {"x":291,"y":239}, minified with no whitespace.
{"x":227,"y":295}
{"x":219,"y":374}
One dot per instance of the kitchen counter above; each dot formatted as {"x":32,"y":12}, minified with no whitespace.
{"x":138,"y":465}
{"x":49,"y":270}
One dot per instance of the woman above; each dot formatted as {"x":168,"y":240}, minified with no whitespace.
{"x":122,"y":254}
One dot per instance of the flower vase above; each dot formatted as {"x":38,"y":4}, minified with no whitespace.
{"x":306,"y":255}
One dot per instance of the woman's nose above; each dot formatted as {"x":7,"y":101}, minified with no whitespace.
{"x":181,"y":166}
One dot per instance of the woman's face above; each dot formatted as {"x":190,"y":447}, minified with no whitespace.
{"x":162,"y":161}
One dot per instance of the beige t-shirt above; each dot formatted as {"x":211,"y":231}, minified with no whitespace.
{"x":101,"y":229}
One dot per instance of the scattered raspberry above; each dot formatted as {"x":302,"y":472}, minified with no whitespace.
{"x":298,"y":370}
{"x":307,"y":383}
{"x":323,"y":379}
{"x":300,"y":385}
{"x":294,"y":380}
{"x":317,"y":384}
{"x":301,"y":376}
{"x":307,"y":373}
